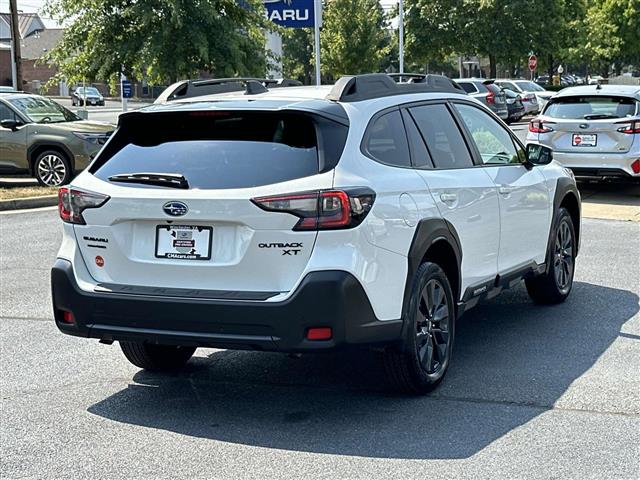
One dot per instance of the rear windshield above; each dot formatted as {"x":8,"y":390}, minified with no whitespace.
{"x":217,"y":149}
{"x":591,"y":108}
{"x":529,"y":86}
{"x":471,"y":87}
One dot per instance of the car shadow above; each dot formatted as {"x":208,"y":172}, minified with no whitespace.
{"x":513,"y":360}
{"x":610,"y":193}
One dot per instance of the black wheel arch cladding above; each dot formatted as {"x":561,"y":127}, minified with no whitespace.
{"x":441,"y":234}
{"x":567,"y":196}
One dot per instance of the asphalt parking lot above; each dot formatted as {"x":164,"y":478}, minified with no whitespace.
{"x":534,"y":392}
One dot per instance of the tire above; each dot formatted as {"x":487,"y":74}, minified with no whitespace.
{"x":416,"y":367}
{"x":555,"y":285}
{"x":157,"y":358}
{"x":52,"y":168}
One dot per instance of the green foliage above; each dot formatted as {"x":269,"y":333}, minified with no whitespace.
{"x":158,"y":40}
{"x":613,"y":31}
{"x":597,"y":32}
{"x":353,"y":39}
{"x":297,"y":54}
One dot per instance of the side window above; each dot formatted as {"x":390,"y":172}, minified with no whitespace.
{"x":494,"y":143}
{"x":6,"y":113}
{"x":442,"y":136}
{"x":420,"y":157}
{"x":468,"y":87}
{"x":386,"y":140}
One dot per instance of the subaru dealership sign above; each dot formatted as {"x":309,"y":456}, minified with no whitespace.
{"x":290,"y":13}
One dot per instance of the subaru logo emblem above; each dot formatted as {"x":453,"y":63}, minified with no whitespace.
{"x":175,"y":209}
{"x":584,"y":126}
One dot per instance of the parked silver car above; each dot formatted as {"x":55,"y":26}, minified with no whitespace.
{"x":534,"y":97}
{"x":494,"y":99}
{"x":593,"y":130}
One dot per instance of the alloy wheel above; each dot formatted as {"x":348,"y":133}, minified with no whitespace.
{"x":52,"y":170}
{"x":432,"y":328}
{"x":563,"y":256}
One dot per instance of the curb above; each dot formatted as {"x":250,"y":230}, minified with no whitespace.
{"x":28,"y":202}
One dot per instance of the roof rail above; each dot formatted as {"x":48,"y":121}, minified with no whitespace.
{"x":196,"y":88}
{"x":378,"y":85}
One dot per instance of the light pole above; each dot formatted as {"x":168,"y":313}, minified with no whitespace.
{"x":317,"y":15}
{"x":401,"y":34}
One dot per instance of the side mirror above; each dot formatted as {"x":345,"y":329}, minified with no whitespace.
{"x":539,"y":154}
{"x":10,"y":124}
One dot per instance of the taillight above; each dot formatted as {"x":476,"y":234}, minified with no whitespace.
{"x":491,"y":98}
{"x":631,"y":127}
{"x":72,"y":202}
{"x":538,"y":126}
{"x":635,"y":166}
{"x":323,"y":209}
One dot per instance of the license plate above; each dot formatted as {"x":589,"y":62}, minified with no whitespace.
{"x":183,"y":242}
{"x":584,"y":140}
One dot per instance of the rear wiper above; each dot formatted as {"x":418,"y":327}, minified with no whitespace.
{"x":171,"y":180}
{"x":598,"y":116}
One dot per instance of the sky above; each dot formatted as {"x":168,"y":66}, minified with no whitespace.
{"x":32,"y":6}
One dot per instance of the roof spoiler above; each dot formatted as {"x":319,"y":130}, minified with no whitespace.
{"x":197,"y":88}
{"x":378,"y":85}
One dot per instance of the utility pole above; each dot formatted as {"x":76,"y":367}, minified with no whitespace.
{"x":15,"y":43}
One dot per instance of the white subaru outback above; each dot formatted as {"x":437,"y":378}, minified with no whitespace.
{"x":306,"y":219}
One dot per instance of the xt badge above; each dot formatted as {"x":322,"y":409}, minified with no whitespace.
{"x":287,"y":248}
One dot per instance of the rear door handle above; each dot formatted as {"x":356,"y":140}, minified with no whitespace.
{"x":505,"y":190}
{"x":448,"y":197}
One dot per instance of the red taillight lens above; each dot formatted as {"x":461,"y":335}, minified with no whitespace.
{"x":324,"y":209}
{"x":631,"y":127}
{"x":72,"y":202}
{"x":538,"y":126}
{"x":635,"y":166}
{"x":491,"y":98}
{"x":319,"y":333}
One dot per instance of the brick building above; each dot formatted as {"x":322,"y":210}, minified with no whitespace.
{"x":35,"y":41}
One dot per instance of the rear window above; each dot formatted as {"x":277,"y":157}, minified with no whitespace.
{"x":494,"y":89}
{"x":222,"y":150}
{"x":591,"y":108}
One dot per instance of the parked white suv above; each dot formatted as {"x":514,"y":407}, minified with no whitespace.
{"x":305,"y":219}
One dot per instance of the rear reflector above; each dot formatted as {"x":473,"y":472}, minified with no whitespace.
{"x":67,"y":317}
{"x":323,"y":209}
{"x":635,"y":166}
{"x":319,"y":333}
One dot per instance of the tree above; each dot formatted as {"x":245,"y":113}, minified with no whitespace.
{"x":353,"y":40}
{"x":497,"y":31}
{"x":613,"y":33}
{"x":297,"y":54}
{"x":158,"y":40}
{"x":435,"y":29}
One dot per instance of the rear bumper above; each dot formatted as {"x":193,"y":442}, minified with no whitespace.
{"x":324,"y":299}
{"x":599,"y":165}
